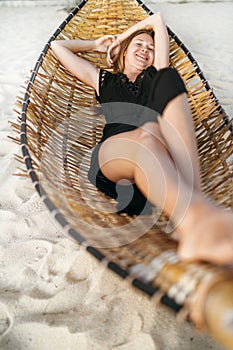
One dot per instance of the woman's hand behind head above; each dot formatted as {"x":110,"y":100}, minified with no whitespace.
{"x":113,"y":51}
{"x":103,"y":43}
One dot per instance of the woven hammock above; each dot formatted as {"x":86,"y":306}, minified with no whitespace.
{"x":58,"y":129}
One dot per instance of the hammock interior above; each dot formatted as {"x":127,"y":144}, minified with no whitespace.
{"x":60,"y":126}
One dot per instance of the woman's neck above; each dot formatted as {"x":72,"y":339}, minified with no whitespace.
{"x":132,"y":73}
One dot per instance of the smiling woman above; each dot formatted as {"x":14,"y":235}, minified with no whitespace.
{"x":153,"y":145}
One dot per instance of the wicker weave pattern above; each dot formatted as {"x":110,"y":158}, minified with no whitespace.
{"x":56,"y":105}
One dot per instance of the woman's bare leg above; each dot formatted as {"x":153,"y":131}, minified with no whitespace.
{"x":177,"y":129}
{"x":142,"y":157}
{"x":205,"y":232}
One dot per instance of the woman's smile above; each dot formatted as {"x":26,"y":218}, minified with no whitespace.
{"x":141,"y":57}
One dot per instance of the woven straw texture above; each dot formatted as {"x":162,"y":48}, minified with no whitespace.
{"x":59,"y":127}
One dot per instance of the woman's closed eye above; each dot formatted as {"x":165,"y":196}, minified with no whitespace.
{"x":140,"y":44}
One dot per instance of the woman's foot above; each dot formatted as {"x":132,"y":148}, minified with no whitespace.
{"x":206,"y":234}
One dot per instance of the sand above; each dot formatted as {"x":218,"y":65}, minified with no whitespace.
{"x":53,"y":295}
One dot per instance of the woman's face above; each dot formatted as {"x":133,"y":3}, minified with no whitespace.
{"x":140,"y":52}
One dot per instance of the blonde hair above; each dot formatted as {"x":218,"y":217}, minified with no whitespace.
{"x":119,"y":64}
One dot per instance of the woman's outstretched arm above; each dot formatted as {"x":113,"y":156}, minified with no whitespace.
{"x":66,"y":51}
{"x":156,"y":23}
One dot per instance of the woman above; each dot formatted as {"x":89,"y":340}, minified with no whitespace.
{"x":158,"y":153}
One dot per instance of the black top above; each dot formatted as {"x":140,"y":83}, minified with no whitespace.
{"x":128,"y":105}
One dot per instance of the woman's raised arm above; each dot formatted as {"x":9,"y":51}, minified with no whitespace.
{"x":161,"y":41}
{"x":66,"y":50}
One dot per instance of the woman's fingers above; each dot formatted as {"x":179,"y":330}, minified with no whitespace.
{"x":103,"y":43}
{"x":111,"y":55}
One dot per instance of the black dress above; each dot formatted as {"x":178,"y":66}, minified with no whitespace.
{"x":126,"y":106}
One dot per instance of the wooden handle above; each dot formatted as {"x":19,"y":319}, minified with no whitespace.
{"x":218,"y":312}
{"x":212,"y":309}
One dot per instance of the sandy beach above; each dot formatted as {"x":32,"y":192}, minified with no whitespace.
{"x":53,"y":295}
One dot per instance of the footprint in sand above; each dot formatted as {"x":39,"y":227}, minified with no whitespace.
{"x":19,"y":261}
{"x":6,"y":320}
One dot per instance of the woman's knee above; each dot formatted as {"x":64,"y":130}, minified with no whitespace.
{"x":116,"y":159}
